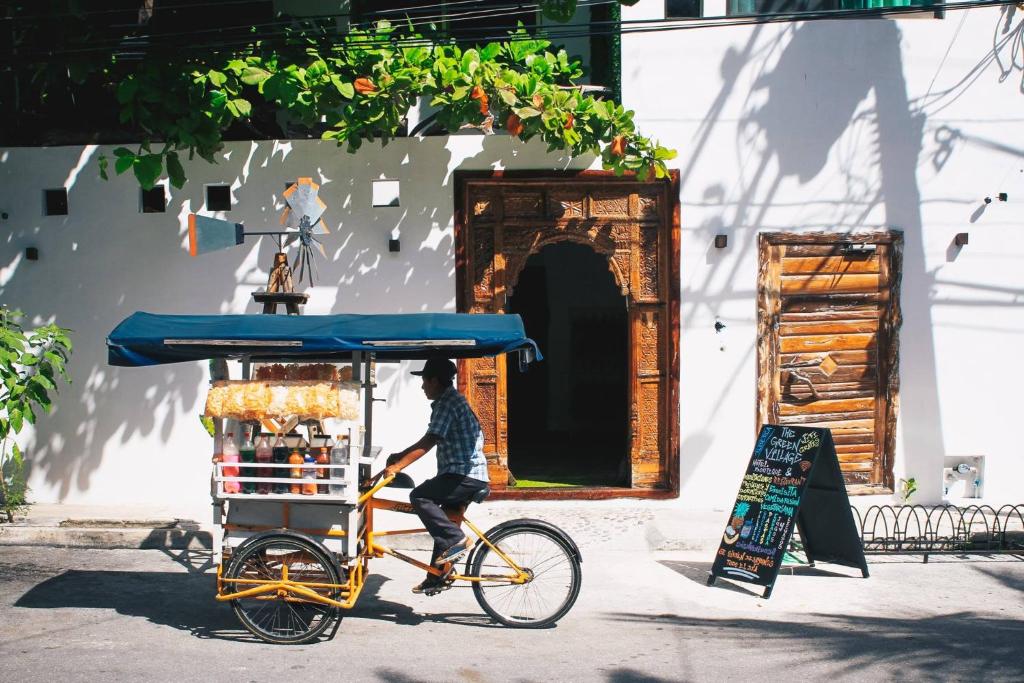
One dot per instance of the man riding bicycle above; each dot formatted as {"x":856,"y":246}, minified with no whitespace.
{"x":461,"y":466}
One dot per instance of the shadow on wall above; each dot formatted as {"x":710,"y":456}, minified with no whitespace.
{"x":106,"y":260}
{"x":827,"y":89}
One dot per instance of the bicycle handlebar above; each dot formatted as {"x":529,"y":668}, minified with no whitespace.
{"x":381,"y":482}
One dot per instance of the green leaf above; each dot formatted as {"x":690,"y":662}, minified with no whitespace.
{"x":218,"y":99}
{"x":148,"y":169}
{"x":470,"y":62}
{"x":527,"y":112}
{"x":103,"y":162}
{"x":252,"y":75}
{"x":459,"y":93}
{"x":317,"y":69}
{"x":508,"y":97}
{"x":124,"y":163}
{"x":208,"y":424}
{"x":217,"y":78}
{"x":663,"y":154}
{"x":489,"y":51}
{"x":16,"y":455}
{"x":14,"y":415}
{"x":343,"y":87}
{"x":175,"y":171}
{"x":239,"y":108}
{"x":126,"y":90}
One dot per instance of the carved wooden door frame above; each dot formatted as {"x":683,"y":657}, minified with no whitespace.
{"x":501,"y":218}
{"x":887,"y":343}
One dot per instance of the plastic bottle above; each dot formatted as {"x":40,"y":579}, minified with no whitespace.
{"x":264,"y":453}
{"x":295,"y":472}
{"x":339,"y":456}
{"x":309,"y":475}
{"x":280,"y":456}
{"x":247,"y":452}
{"x":230,"y":454}
{"x":323,"y":457}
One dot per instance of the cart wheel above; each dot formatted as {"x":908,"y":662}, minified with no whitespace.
{"x":289,"y":619}
{"x":553,"y":586}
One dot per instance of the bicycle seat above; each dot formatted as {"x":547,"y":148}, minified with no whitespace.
{"x":402,"y":481}
{"x":479,"y":496}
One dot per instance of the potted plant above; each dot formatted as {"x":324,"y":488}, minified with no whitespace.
{"x":29,"y":367}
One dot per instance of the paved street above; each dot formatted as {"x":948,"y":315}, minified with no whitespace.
{"x":85,"y":615}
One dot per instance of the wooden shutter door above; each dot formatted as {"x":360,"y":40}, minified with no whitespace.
{"x":828,"y":351}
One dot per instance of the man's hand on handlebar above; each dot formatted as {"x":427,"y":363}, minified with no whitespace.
{"x":392,"y":467}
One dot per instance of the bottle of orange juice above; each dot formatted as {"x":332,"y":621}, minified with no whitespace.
{"x":323,"y":457}
{"x":295,"y":472}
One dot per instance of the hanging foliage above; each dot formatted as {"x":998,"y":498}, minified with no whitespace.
{"x":360,"y":88}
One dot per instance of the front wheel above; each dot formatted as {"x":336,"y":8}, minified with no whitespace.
{"x":283,"y":617}
{"x":552,"y":567}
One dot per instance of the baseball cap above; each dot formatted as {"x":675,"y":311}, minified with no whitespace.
{"x":441,"y":368}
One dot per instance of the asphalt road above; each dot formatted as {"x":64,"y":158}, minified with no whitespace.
{"x":125,"y":615}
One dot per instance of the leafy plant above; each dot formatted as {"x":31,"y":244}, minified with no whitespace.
{"x":359,"y":87}
{"x":908,"y":487}
{"x":29,"y":367}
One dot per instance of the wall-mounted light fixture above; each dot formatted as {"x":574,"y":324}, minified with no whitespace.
{"x":31,"y":254}
{"x":960,"y":239}
{"x":394,"y":246}
{"x":721,"y":241}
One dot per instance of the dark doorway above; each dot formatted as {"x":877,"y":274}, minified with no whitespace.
{"x":568,"y":415}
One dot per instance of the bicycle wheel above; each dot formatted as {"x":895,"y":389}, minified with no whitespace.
{"x":551,"y":590}
{"x":288,"y":619}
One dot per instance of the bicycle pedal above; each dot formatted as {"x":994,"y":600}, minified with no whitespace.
{"x":438,"y":589}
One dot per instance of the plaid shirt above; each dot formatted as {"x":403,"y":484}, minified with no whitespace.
{"x":460,"y":449}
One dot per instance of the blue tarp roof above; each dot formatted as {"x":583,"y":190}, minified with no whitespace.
{"x":151,"y":339}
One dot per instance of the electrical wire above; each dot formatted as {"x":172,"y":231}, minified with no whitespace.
{"x":568,"y":31}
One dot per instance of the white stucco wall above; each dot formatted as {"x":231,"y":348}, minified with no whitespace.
{"x":132,"y":436}
{"x":827,"y":125}
{"x":843,"y":125}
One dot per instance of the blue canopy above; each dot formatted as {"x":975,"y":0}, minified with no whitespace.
{"x":151,"y":339}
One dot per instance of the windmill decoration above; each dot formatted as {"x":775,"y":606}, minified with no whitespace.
{"x":304,"y":212}
{"x":303,"y":220}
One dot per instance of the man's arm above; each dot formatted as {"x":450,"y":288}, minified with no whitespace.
{"x":399,"y":461}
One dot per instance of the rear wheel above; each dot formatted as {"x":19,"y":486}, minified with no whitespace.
{"x":549,"y":592}
{"x":288,"y":618}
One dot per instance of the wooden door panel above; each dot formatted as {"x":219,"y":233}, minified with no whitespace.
{"x":830,"y":327}
{"x":827,"y":343}
{"x":831,"y":284}
{"x":824,"y":310}
{"x":501,"y":222}
{"x":829,"y":264}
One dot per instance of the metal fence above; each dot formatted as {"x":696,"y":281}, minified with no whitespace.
{"x":921,"y":530}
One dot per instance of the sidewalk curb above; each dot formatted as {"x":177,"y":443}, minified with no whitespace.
{"x":591,"y":528}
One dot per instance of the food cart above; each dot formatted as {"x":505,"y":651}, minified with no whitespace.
{"x":288,"y":561}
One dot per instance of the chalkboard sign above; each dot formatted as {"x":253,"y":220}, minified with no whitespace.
{"x":792,"y":481}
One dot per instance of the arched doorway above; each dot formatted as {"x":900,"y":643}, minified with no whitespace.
{"x":568,"y":415}
{"x":501,"y":221}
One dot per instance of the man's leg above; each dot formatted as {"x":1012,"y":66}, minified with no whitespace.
{"x":427,"y":499}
